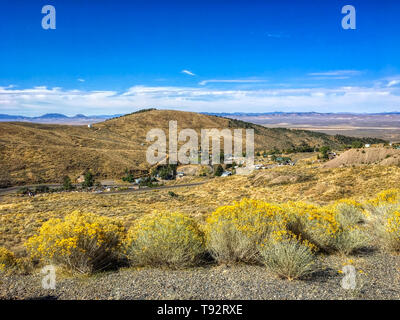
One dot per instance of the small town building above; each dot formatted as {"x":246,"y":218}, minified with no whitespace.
{"x":226,"y":174}
{"x":331,"y":155}
{"x":138,"y":180}
{"x":180,"y":174}
{"x":107,"y":183}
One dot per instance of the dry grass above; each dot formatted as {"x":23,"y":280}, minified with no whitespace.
{"x":20,"y":216}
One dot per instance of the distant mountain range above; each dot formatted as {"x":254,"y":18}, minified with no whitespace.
{"x":384,"y":125}
{"x":312,"y":113}
{"x":58,"y":118}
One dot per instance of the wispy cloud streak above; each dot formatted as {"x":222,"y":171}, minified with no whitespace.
{"x":39,"y":100}
{"x":204,"y":82}
{"x":188,"y":73}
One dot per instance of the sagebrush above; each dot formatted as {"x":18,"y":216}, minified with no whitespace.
{"x":166,"y":238}
{"x":82,"y":242}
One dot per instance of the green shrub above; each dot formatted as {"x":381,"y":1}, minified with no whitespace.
{"x":67,"y":184}
{"x":148,"y":182}
{"x":170,"y":239}
{"x":357,"y":144}
{"x":128,"y":177}
{"x":42,"y":189}
{"x":167,"y":172}
{"x":89,"y":180}
{"x":324,"y":151}
{"x":218,"y":171}
{"x":24,"y":190}
{"x":352,"y":234}
{"x":288,"y":258}
{"x":349,"y":240}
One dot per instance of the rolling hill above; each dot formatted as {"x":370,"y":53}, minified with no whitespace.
{"x":43,"y":153}
{"x":354,"y":157}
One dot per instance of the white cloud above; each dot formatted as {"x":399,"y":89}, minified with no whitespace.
{"x":277,"y":35}
{"x":81,"y":80}
{"x":188,"y":72}
{"x":39,"y":100}
{"x":393,"y":83}
{"x":204,"y":82}
{"x":336,"y":74}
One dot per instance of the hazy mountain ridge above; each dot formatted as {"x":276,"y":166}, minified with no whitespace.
{"x":58,"y":118}
{"x":305,"y":113}
{"x":385,"y":125}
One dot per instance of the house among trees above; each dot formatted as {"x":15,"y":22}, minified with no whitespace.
{"x":226,"y":174}
{"x":180,"y":174}
{"x":138,"y":180}
{"x":332,"y":155}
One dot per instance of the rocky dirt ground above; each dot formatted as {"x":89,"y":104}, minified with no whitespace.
{"x":378,"y":277}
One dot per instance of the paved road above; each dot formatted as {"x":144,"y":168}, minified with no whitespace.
{"x":10,"y":190}
{"x":30,"y":186}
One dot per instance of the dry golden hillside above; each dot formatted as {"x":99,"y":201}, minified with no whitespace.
{"x":382,"y":156}
{"x":21,"y":216}
{"x":42,"y":153}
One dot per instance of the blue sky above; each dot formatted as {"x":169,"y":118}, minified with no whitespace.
{"x":108,"y":57}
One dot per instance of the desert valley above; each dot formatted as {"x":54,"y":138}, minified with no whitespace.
{"x":326,"y":200}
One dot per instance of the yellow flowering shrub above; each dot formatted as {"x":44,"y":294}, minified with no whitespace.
{"x":7,"y":260}
{"x":234,"y":232}
{"x":313,"y":223}
{"x":165,"y":238}
{"x":337,"y":227}
{"x":386,"y":224}
{"x":383,"y":202}
{"x":385,"y":198}
{"x":385,"y":218}
{"x":392,"y":230}
{"x":82,"y":242}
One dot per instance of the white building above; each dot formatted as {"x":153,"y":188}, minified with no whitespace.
{"x":226,"y":174}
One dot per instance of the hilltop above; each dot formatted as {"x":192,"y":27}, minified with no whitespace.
{"x":42,"y":153}
{"x":381,"y":156}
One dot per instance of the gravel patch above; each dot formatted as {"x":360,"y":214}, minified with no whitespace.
{"x":379,"y":278}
